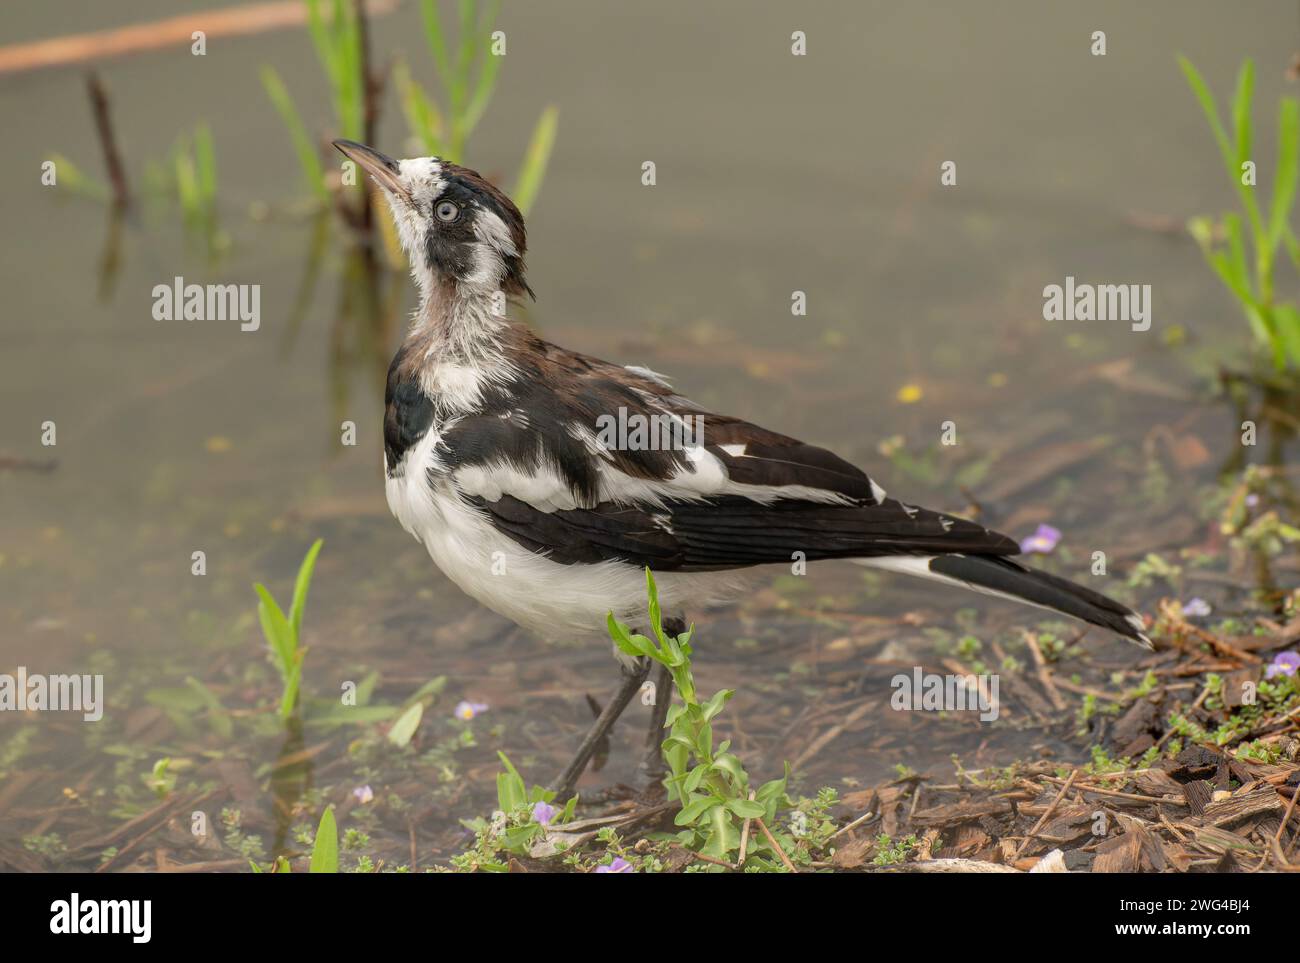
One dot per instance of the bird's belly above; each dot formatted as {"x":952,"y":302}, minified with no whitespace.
{"x":544,"y":596}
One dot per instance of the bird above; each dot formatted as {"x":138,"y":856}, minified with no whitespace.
{"x":545,"y":482}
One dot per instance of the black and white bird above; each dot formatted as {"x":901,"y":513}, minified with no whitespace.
{"x":496,"y":462}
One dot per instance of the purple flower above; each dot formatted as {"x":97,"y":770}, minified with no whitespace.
{"x":1042,"y":541}
{"x":363,"y":794}
{"x":619,"y":865}
{"x":468,"y":710}
{"x":1197,"y":607}
{"x":1252,"y":500}
{"x":543,"y":813}
{"x":1284,"y":663}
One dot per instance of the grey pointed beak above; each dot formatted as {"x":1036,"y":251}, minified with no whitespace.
{"x":381,"y":167}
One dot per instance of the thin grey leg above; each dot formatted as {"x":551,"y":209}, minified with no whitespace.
{"x":631,"y":684}
{"x":652,"y":766}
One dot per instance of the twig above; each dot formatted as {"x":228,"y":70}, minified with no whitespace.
{"x":107,"y":142}
{"x":1137,"y":797}
{"x":1042,"y":820}
{"x":853,"y":825}
{"x":744,"y":835}
{"x":771,"y":841}
{"x":701,"y":856}
{"x":173,"y":31}
{"x":1044,"y":677}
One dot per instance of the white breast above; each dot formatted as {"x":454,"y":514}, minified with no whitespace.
{"x":546,"y":597}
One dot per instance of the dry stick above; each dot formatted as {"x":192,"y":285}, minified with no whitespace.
{"x":853,"y":825}
{"x":771,"y":841}
{"x":1286,"y":818}
{"x":107,"y":142}
{"x":1209,"y":639}
{"x":1042,"y":820}
{"x":1137,"y":797}
{"x":1044,"y":677}
{"x":174,"y":31}
{"x":701,"y":856}
{"x":830,"y":734}
{"x":744,"y":835}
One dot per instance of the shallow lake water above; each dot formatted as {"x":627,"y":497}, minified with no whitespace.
{"x":774,"y":174}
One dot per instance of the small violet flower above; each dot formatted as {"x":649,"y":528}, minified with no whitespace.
{"x":619,"y":865}
{"x":1197,"y":607}
{"x":468,"y":710}
{"x":363,"y":794}
{"x":1042,"y":541}
{"x":543,"y":813}
{"x":1284,"y":663}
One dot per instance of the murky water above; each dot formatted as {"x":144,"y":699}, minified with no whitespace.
{"x":775,"y":174}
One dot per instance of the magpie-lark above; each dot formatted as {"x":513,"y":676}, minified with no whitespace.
{"x":498,"y":460}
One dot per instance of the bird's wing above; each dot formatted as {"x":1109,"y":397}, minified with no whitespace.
{"x":535,"y":461}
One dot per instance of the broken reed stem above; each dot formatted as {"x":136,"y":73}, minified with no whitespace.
{"x":1042,"y":820}
{"x":744,"y":835}
{"x":771,"y":841}
{"x":107,"y":142}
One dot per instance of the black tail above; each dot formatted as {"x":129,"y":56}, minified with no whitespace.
{"x":1006,"y":576}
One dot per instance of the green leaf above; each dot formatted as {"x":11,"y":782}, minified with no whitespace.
{"x":276,"y":629}
{"x":511,"y":791}
{"x":695,"y":777}
{"x":404,"y":729}
{"x":723,"y":836}
{"x":533,"y":169}
{"x":745,"y":808}
{"x":1241,"y":111}
{"x":696,"y":808}
{"x":1288,"y":166}
{"x":716,"y":704}
{"x":730,"y":764}
{"x":308,"y":159}
{"x":300,"y":587}
{"x":325,"y":851}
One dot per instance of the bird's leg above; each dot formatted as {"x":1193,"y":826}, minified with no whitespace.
{"x":652,"y":764}
{"x":633,"y":676}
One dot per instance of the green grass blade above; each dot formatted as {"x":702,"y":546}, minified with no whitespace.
{"x":1241,"y":111}
{"x":422,"y":114}
{"x":1206,"y":99}
{"x":320,"y":37}
{"x":487,"y":75}
{"x":533,"y":170}
{"x":205,"y":163}
{"x":306,"y":150}
{"x":1288,"y":167}
{"x":437,"y":40}
{"x":325,"y":851}
{"x":276,"y":629}
{"x":75,"y":179}
{"x":300,"y":587}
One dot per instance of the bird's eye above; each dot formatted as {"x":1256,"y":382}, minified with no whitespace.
{"x":446,"y":211}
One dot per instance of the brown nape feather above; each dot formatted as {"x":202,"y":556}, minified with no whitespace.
{"x":514,"y":283}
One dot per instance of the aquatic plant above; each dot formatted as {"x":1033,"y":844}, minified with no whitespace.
{"x":283,"y":632}
{"x":709,"y":781}
{"x":337,"y":36}
{"x":468,"y":79}
{"x":1249,"y":276}
{"x":325,"y":849}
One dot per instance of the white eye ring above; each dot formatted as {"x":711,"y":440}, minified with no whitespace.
{"x":446,"y":211}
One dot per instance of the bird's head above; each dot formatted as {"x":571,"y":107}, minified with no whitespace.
{"x":456,"y":227}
